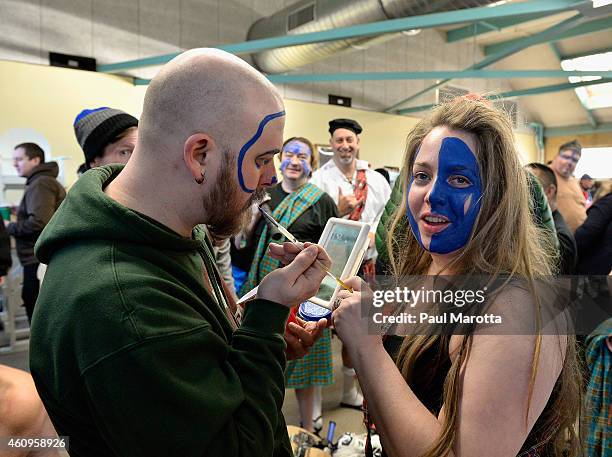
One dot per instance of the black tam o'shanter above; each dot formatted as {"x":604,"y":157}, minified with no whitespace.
{"x":348,"y":124}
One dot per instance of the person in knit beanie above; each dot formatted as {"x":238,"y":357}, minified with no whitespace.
{"x":106,"y":135}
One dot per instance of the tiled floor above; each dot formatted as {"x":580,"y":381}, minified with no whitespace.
{"x":347,"y":420}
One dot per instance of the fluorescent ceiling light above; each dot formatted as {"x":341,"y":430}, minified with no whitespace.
{"x":598,"y":3}
{"x":592,"y":97}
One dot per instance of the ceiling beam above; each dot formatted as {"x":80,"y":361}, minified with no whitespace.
{"x":420,"y":75}
{"x":584,"y":53}
{"x":521,"y":93}
{"x":479,"y":28}
{"x":364,"y":30}
{"x":577,"y":130}
{"x":596,"y":25}
{"x":491,"y":59}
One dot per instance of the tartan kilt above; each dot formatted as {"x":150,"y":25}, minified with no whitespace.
{"x":314,"y":369}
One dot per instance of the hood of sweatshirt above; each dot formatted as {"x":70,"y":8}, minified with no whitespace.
{"x":88,"y":213}
{"x":50,"y":169}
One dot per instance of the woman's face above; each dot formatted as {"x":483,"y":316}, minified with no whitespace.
{"x":444,"y":190}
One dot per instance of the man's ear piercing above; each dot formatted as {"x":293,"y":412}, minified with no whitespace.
{"x":200,"y":180}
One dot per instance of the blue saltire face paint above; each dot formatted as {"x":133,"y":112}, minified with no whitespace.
{"x":460,"y":205}
{"x":248,"y":146}
{"x":297,"y":148}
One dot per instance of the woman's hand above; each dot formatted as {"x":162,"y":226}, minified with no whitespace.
{"x":353,"y":320}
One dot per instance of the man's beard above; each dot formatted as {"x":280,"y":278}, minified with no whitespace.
{"x":226,"y":216}
{"x":347,"y":160}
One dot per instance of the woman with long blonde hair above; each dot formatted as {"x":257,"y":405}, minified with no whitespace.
{"x":466,"y":212}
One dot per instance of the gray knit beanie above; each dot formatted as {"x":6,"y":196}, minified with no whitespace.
{"x":97,"y":128}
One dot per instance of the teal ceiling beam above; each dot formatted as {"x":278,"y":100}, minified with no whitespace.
{"x":419,"y":75}
{"x":479,"y":28}
{"x":489,"y":25}
{"x":577,"y":130}
{"x":422,"y":75}
{"x":587,"y":111}
{"x":491,"y":59}
{"x":521,"y":93}
{"x":596,"y":25}
{"x":555,"y":49}
{"x":364,"y":30}
{"x":415,"y":109}
{"x":585,"y":53}
{"x":552,"y":88}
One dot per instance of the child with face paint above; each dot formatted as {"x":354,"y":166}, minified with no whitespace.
{"x":304,"y":210}
{"x":466,"y":209}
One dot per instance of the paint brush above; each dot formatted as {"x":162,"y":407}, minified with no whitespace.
{"x":300,"y":245}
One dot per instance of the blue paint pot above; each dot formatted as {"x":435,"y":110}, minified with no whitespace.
{"x":311,"y":312}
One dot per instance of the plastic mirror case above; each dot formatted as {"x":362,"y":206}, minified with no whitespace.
{"x":346,"y":243}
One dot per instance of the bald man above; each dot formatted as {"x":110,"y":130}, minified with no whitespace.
{"x":135,"y":349}
{"x":22,"y":414}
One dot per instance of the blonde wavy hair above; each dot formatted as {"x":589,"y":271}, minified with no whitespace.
{"x":504,"y":241}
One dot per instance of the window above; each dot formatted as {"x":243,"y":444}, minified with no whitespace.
{"x":592,"y":97}
{"x":595,"y":162}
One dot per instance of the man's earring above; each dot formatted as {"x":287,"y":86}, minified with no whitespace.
{"x":200,"y":180}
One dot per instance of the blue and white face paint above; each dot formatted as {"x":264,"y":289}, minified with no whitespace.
{"x":302,"y":152}
{"x":452,"y":178}
{"x":245,"y":148}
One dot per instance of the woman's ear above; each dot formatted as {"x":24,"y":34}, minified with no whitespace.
{"x":195,"y":152}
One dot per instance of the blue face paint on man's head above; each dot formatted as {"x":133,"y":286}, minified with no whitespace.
{"x":297,"y":148}
{"x":455,"y":197}
{"x":284,"y":164}
{"x":245,"y":148}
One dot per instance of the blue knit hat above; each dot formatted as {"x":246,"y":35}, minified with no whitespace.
{"x":97,"y":128}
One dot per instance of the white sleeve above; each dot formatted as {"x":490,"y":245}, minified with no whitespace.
{"x":316,"y":179}
{"x":382,"y":199}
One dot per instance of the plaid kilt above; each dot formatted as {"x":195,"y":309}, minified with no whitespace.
{"x":599,"y":393}
{"x":314,"y":369}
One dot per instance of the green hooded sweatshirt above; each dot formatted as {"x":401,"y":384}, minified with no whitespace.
{"x":130,"y":353}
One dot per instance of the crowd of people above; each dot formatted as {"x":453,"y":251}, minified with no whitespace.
{"x":138,"y":345}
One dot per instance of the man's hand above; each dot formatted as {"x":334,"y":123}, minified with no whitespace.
{"x":300,"y":279}
{"x":347,"y":203}
{"x":301,"y":336}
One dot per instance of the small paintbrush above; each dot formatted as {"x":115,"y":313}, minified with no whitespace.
{"x":300,"y":245}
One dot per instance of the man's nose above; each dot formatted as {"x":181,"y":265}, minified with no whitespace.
{"x":268,"y":176}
